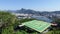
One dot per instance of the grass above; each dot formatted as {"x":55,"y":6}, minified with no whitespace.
{"x":53,"y":32}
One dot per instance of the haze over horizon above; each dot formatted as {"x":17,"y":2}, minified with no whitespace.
{"x":38,"y":5}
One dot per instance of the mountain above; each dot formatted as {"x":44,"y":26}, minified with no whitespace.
{"x":57,"y":12}
{"x":28,"y":11}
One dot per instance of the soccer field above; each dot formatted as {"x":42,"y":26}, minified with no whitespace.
{"x":39,"y":26}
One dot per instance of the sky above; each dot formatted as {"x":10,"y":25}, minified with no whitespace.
{"x":39,"y":5}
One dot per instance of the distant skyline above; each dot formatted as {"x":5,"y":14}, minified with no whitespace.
{"x":38,"y":5}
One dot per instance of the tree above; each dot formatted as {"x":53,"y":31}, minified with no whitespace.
{"x":6,"y":18}
{"x":7,"y":21}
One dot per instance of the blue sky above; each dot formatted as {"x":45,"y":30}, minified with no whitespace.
{"x":39,"y":5}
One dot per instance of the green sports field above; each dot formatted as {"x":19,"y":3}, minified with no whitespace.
{"x":37,"y":25}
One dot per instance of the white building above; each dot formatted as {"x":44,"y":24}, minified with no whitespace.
{"x":21,"y":15}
